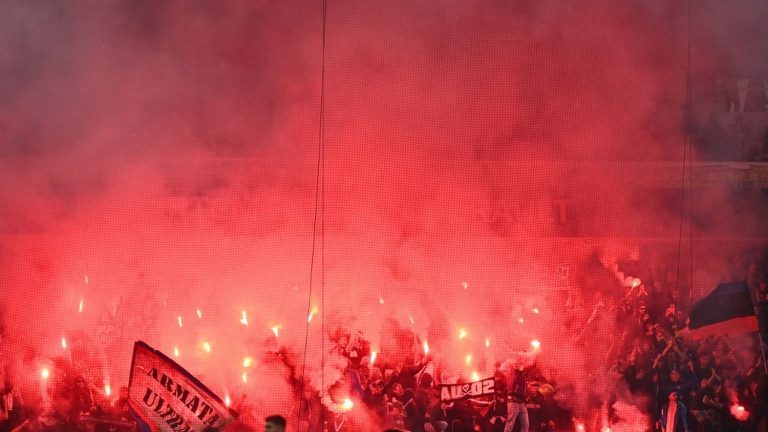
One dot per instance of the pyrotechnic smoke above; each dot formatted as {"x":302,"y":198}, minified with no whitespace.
{"x":159,"y":174}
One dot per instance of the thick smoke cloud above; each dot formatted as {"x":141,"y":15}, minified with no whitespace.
{"x":159,"y":158}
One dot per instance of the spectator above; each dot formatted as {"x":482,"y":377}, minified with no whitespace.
{"x":274,"y":423}
{"x":740,"y":138}
{"x":674,"y":415}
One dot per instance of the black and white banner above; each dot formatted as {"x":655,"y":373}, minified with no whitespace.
{"x":453,"y":392}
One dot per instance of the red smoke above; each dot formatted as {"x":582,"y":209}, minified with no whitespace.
{"x":159,"y":159}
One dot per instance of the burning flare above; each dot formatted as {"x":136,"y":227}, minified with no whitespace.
{"x":535,"y":344}
{"x":373,"y":356}
{"x":247,"y":362}
{"x":276,"y":330}
{"x":244,"y":319}
{"x":425,"y":345}
{"x":63,"y":343}
{"x":347,"y":404}
{"x":462,"y":333}
{"x":739,"y":412}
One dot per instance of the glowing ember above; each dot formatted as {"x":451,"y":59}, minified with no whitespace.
{"x":636,"y":282}
{"x":606,"y":429}
{"x":475,"y":376}
{"x":199,"y":314}
{"x":175,"y":351}
{"x":244,"y":319}
{"x":227,"y":400}
{"x":63,"y":343}
{"x":107,"y":389}
{"x":276,"y":330}
{"x":347,"y":404}
{"x":468,"y":359}
{"x":80,"y":308}
{"x":520,"y":320}
{"x":45,"y":373}
{"x":178,"y":318}
{"x":373,"y":356}
{"x":86,"y":279}
{"x":739,"y":412}
{"x":535,"y":344}
{"x":535,"y":310}
{"x":206,"y":347}
{"x":247,"y":362}
{"x":487,"y":342}
{"x":425,"y":345}
{"x":381,"y":300}
{"x":462,"y":333}
{"x":410,"y":317}
{"x":465,"y":285}
{"x":311,"y":314}
{"x":245,"y":377}
{"x":580,"y":427}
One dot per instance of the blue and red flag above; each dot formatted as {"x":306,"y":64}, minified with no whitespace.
{"x":727,"y":309}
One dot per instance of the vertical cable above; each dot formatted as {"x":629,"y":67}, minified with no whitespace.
{"x":686,"y":156}
{"x":319,"y":205}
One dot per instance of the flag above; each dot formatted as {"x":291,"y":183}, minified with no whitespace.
{"x":164,"y":397}
{"x":727,"y":309}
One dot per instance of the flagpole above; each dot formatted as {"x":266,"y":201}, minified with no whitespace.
{"x":762,"y":348}
{"x":759,"y":317}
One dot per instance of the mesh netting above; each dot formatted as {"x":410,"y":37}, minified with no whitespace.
{"x":503,"y":184}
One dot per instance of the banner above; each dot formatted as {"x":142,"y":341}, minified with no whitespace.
{"x":452,"y":392}
{"x":164,"y":397}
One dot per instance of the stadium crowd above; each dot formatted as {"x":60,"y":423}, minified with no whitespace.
{"x":655,"y":366}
